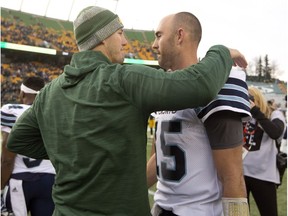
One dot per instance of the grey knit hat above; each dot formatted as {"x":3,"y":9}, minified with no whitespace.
{"x":93,"y":25}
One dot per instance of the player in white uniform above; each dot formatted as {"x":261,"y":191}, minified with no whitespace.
{"x":30,"y":181}
{"x":187,"y":178}
{"x":187,"y":168}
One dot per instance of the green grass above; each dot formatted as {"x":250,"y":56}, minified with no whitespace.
{"x":281,"y":194}
{"x":281,"y":199}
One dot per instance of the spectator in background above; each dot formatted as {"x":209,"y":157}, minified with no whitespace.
{"x":260,"y":170}
{"x":151,"y":125}
{"x":92,"y":119}
{"x":283,"y":147}
{"x":29,"y":180}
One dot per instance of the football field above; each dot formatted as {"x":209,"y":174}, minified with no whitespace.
{"x":281,"y":195}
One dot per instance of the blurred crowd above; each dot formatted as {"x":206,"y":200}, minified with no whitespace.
{"x":16,"y":31}
{"x":12,"y":75}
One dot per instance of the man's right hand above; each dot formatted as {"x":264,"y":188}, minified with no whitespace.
{"x":238,"y":58}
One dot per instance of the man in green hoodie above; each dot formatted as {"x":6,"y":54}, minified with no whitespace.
{"x":91,"y":121}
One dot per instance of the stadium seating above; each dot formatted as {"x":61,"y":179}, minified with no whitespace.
{"x":13,"y":73}
{"x":23,"y":28}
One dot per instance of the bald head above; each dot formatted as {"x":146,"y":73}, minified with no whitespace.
{"x":176,"y":40}
{"x":189,"y":23}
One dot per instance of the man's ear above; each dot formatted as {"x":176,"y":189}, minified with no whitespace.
{"x":21,"y":96}
{"x":180,"y":35}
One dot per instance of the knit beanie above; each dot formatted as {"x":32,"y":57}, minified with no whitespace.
{"x":93,"y":25}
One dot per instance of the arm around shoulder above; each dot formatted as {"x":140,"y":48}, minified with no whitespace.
{"x":214,"y":70}
{"x":217,"y":66}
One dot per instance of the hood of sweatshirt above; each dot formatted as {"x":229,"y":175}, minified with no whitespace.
{"x":81,"y":64}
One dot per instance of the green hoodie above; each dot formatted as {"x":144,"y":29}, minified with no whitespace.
{"x":92,"y":124}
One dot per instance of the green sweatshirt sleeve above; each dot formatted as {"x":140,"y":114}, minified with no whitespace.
{"x":191,"y":87}
{"x":26,"y":138}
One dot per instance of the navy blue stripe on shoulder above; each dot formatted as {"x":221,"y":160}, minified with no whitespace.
{"x":7,"y":114}
{"x":7,"y":120}
{"x":234,"y":92}
{"x":233,"y":96}
{"x":224,"y":105}
{"x":238,"y":82}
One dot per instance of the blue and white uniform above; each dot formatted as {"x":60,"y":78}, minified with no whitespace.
{"x":26,"y":170}
{"x":9,"y":115}
{"x":187,"y":178}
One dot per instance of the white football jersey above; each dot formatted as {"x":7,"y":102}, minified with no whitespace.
{"x":9,"y":114}
{"x":187,"y":178}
